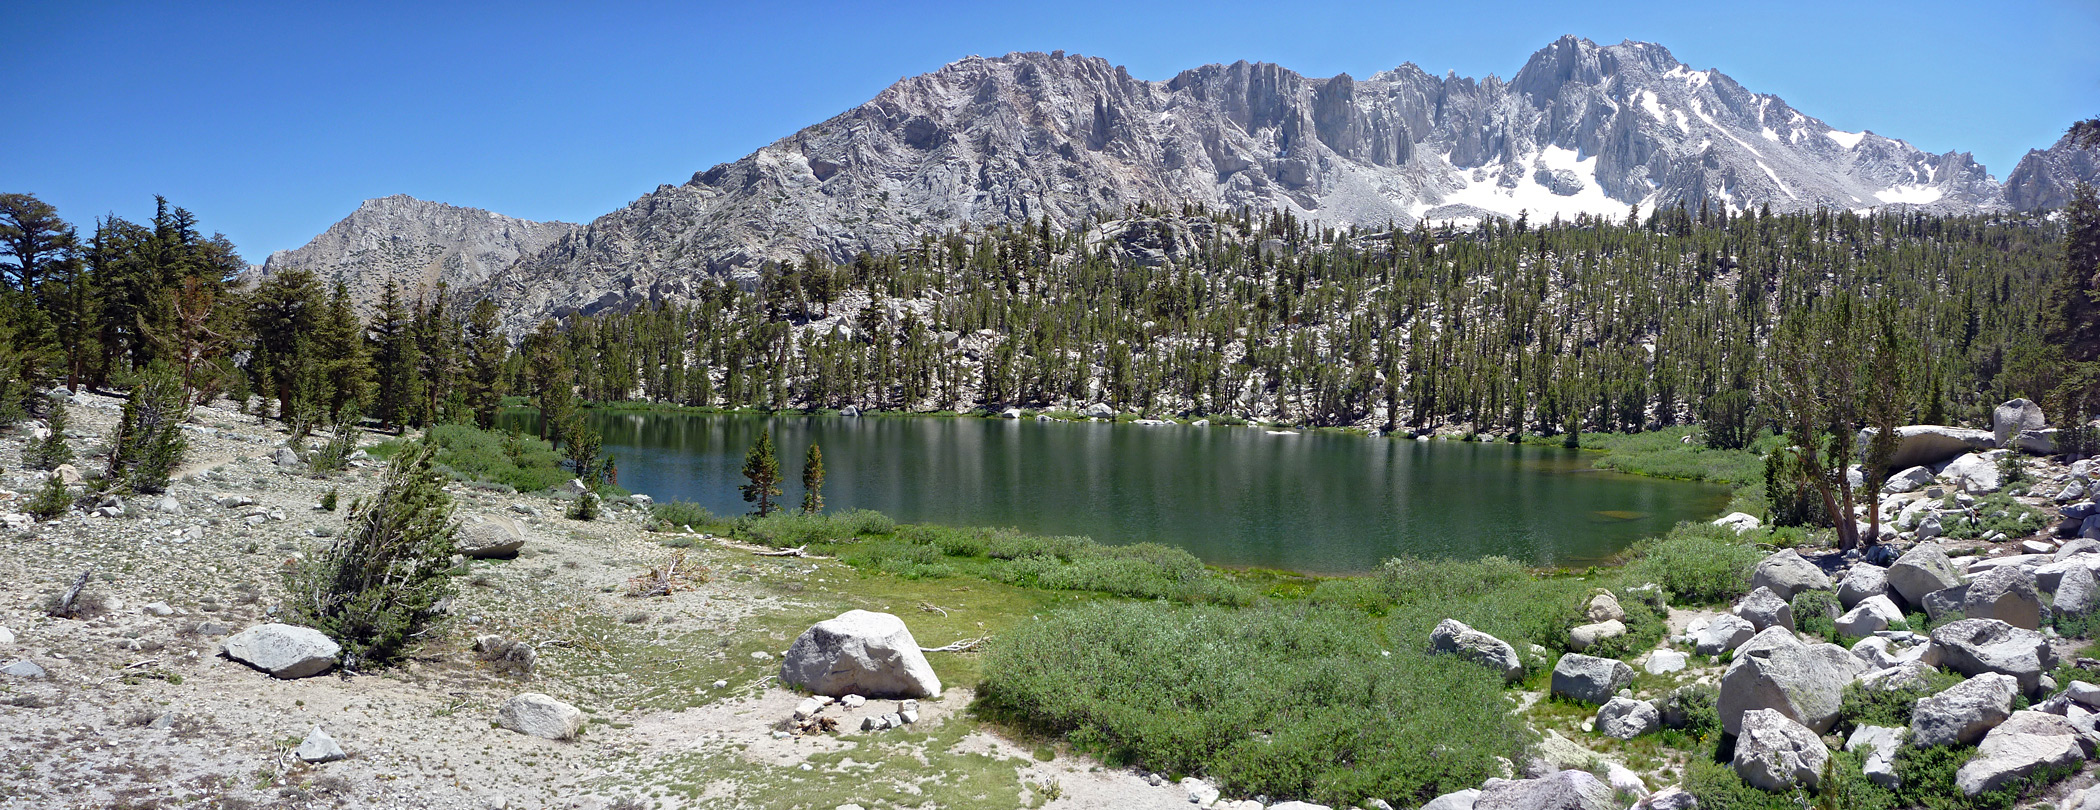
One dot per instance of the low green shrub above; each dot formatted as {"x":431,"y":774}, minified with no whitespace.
{"x":1863,"y":706}
{"x":1815,"y":613}
{"x":50,"y":501}
{"x":52,"y":450}
{"x":149,"y":443}
{"x":674,"y":515}
{"x":523,"y":463}
{"x":1696,"y":564}
{"x":1283,"y":700}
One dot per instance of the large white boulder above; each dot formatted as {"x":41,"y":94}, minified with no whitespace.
{"x":2076,"y":592}
{"x":1973,"y":647}
{"x":2015,"y":419}
{"x":2027,"y":742}
{"x":1764,"y":609}
{"x":1726,"y":632}
{"x":1963,"y":713}
{"x":1862,"y":582}
{"x":538,"y":715}
{"x":491,"y":539}
{"x":1626,"y":718}
{"x":1975,"y":473}
{"x":1775,"y":753}
{"x":1453,"y":637}
{"x":1740,"y":522}
{"x":2008,"y":594}
{"x":1925,"y":445}
{"x":283,"y":650}
{"x":1775,"y":670}
{"x":1922,"y":570}
{"x":1869,"y":617}
{"x":1566,"y":790}
{"x":1589,"y":679}
{"x":1786,"y":573}
{"x":860,"y":653}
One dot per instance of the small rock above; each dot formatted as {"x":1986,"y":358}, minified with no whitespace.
{"x":157,"y":609}
{"x":1963,"y":713}
{"x":7,"y":636}
{"x":1765,"y":608}
{"x":852,"y":701}
{"x":1726,"y":632}
{"x":286,"y":457}
{"x":1583,"y":637}
{"x":1664,"y":661}
{"x":1589,"y":679}
{"x":319,"y":747}
{"x":1880,"y":744}
{"x":1604,"y":607}
{"x":23,"y":668}
{"x":721,"y":684}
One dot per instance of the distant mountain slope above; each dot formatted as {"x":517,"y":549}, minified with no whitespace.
{"x":1581,"y":128}
{"x":417,"y":244}
{"x":2044,"y":178}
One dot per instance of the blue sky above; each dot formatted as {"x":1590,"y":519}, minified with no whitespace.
{"x":273,"y":120}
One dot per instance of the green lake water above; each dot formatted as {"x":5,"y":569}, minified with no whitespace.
{"x":1234,"y":496}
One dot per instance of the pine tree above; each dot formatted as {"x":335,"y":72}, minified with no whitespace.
{"x":377,"y":588}
{"x":35,"y":242}
{"x":149,"y":442}
{"x":346,"y":361}
{"x":394,"y":355}
{"x":49,"y":452}
{"x":762,"y":469}
{"x":813,"y":480}
{"x":284,"y":317}
{"x":486,"y":353}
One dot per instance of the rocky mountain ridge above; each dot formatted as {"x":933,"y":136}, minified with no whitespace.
{"x":416,"y":244}
{"x":1581,"y":128}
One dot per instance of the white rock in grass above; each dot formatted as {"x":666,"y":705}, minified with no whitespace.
{"x":1626,"y":718}
{"x":860,"y":653}
{"x":1566,"y":790}
{"x":2027,"y":742}
{"x":1452,"y":636}
{"x":1869,"y":617}
{"x":1787,"y":574}
{"x":538,"y":715}
{"x":1880,"y":744}
{"x":1964,"y":712}
{"x":1458,"y":800}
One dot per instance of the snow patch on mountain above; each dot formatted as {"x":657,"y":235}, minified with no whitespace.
{"x":1849,"y":140}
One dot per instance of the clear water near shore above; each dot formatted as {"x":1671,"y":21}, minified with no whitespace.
{"x":1236,"y":496}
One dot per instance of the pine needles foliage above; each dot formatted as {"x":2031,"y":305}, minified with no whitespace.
{"x":149,"y":441}
{"x":385,"y":580}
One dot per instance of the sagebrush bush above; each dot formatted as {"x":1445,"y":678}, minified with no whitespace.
{"x":380,"y":584}
{"x":1494,"y":595}
{"x":1283,"y":700}
{"x":523,"y":463}
{"x":675,"y":514}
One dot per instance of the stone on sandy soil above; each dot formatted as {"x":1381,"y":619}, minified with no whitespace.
{"x":1922,"y":570}
{"x":1861,"y":583}
{"x":1726,"y":632}
{"x":1664,"y":661}
{"x":860,"y":653}
{"x":1589,"y":679}
{"x":286,"y":457}
{"x":22,"y":668}
{"x":1452,"y":636}
{"x":1566,"y":790}
{"x":1626,"y":718}
{"x":1869,"y":617}
{"x":7,"y":636}
{"x":2008,"y":594}
{"x":283,"y":650}
{"x":1963,"y":713}
{"x":1585,"y":636}
{"x":1773,"y":752}
{"x":1787,"y":574}
{"x":489,"y":540}
{"x":1604,"y":607}
{"x":2027,"y":742}
{"x":538,"y":715}
{"x":319,"y":747}
{"x":1777,"y":671}
{"x":1975,"y":646}
{"x":1880,"y":744}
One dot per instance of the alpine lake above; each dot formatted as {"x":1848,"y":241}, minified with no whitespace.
{"x":1243,"y":496}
